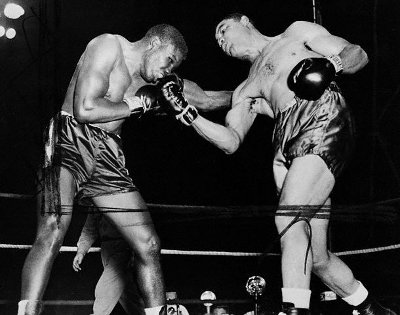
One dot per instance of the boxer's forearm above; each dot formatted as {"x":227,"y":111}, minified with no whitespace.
{"x":218,"y":100}
{"x":222,"y":137}
{"x":100,"y":110}
{"x":206,"y":100}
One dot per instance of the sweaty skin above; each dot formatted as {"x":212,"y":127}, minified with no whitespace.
{"x":98,"y":99}
{"x":267,"y":79}
{"x":306,"y":179}
{"x":102,"y":93}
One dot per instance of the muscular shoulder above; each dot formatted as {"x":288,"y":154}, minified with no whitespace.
{"x":103,"y":52}
{"x":305,"y":30}
{"x":105,"y":44}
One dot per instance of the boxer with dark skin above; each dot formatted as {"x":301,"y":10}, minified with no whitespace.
{"x":110,"y":84}
{"x":291,"y":80}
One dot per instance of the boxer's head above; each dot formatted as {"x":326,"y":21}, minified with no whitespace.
{"x":233,"y":35}
{"x":166,"y":49}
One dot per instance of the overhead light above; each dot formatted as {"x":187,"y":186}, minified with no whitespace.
{"x":10,"y":33}
{"x":2,"y":30}
{"x":13,"y":11}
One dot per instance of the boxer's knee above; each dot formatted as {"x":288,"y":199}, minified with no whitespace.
{"x":149,"y":249}
{"x":321,"y":262}
{"x":50,"y":236}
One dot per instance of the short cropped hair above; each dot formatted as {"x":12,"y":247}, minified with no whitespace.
{"x":236,"y":16}
{"x":168,"y":34}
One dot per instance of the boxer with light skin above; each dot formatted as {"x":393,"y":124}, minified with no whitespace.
{"x":291,"y":80}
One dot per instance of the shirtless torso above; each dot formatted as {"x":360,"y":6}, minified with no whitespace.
{"x":266,"y":83}
{"x":121,"y":82}
{"x":310,"y":139}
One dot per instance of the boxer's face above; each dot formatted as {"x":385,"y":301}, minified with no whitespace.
{"x":161,"y":61}
{"x":231,"y":36}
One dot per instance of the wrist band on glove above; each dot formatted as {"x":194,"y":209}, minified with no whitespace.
{"x":188,"y":115}
{"x":337,"y":63}
{"x":135,"y":110}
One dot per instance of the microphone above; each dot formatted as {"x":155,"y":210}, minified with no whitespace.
{"x":255,"y":286}
{"x":208,"y":295}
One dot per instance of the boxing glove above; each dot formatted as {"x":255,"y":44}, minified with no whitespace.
{"x":175,"y":103}
{"x":311,"y":76}
{"x":146,"y":99}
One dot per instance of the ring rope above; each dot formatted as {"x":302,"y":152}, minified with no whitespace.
{"x":201,"y":253}
{"x":386,"y":211}
{"x":216,"y":253}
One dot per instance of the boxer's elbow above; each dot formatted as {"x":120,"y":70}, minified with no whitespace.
{"x":356,"y":60}
{"x":362,"y":57}
{"x":233,"y":144}
{"x":230,"y":150}
{"x":83,"y":110}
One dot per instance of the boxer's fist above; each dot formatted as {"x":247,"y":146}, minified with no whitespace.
{"x":175,"y":103}
{"x":146,"y":99}
{"x":311,"y":76}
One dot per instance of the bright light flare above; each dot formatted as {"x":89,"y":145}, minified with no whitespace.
{"x":2,"y":31}
{"x":13,"y":11}
{"x":10,"y":33}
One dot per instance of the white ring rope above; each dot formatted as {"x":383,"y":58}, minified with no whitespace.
{"x":216,"y":253}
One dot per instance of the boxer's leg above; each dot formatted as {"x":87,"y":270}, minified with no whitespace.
{"x":49,"y":238}
{"x":307,"y":183}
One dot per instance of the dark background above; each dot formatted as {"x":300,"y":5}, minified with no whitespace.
{"x":171,"y":164}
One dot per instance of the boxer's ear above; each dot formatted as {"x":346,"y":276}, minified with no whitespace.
{"x":155,"y":42}
{"x":244,"y":20}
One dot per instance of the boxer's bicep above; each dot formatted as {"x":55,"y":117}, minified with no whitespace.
{"x":206,"y":100}
{"x":94,"y":74}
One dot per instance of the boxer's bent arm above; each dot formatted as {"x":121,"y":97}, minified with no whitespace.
{"x":91,"y":104}
{"x":206,"y":100}
{"x":88,"y":235}
{"x":353,"y":57}
{"x":229,"y":137}
{"x":319,"y":40}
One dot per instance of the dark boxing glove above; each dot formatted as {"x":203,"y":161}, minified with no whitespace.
{"x":171,"y":88}
{"x":146,"y":99}
{"x":311,"y":76}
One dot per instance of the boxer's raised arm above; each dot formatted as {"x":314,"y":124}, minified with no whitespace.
{"x":352,"y":57}
{"x":206,"y":100}
{"x":228,"y":138}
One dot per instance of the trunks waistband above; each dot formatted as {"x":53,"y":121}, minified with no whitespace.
{"x":64,"y":113}
{"x":289,"y":104}
{"x":332,"y":86}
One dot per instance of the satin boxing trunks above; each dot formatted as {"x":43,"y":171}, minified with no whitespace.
{"x":323,"y":127}
{"x":93,"y":156}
